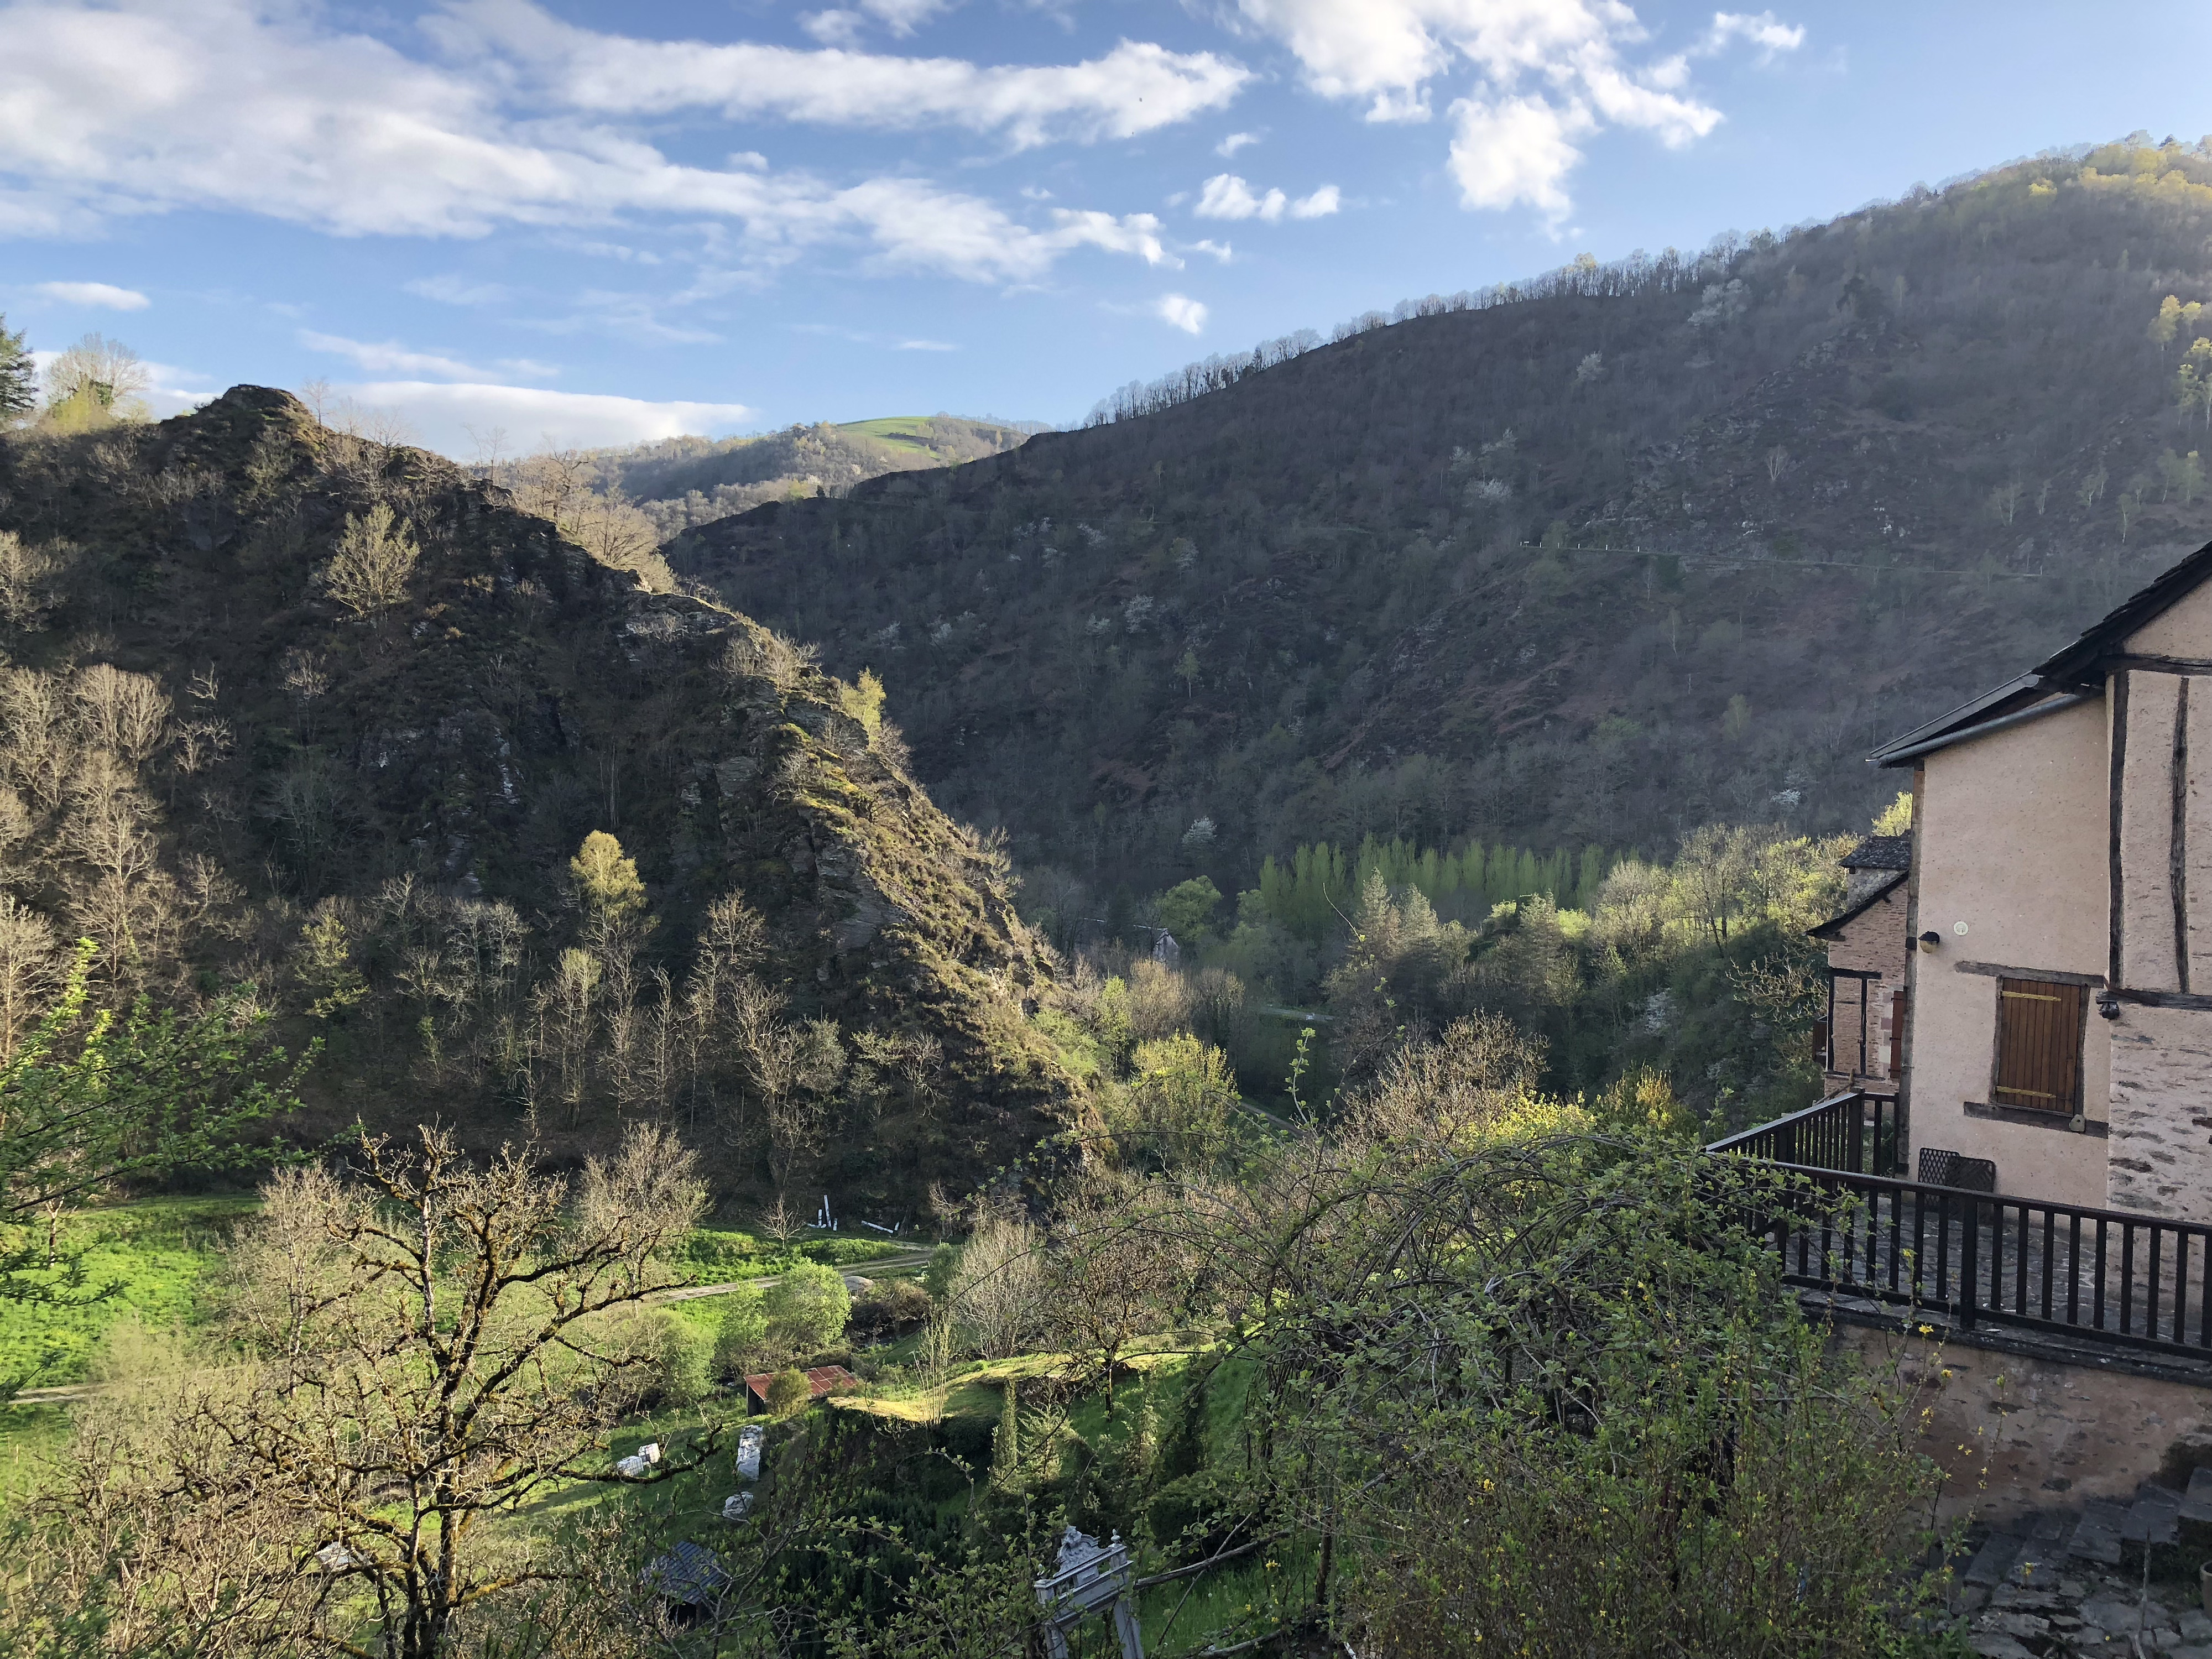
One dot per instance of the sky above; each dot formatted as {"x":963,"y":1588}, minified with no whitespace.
{"x":513,"y":223}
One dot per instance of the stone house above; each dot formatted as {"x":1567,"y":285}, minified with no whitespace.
{"x":2059,"y":901}
{"x":1861,"y":1035}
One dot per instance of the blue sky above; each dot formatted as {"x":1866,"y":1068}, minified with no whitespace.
{"x":602,"y":222}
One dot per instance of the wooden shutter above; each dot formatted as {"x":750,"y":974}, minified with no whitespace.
{"x":2039,"y":1045}
{"x":1896,"y":1033}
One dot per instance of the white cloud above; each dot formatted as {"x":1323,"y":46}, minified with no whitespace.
{"x":148,"y":106}
{"x":1520,"y":149}
{"x":925,"y":345}
{"x":95,"y":293}
{"x":1184,"y":312}
{"x":1762,"y":30}
{"x":1547,"y":73}
{"x":1225,"y":195}
{"x":1235,"y":141}
{"x":1137,"y":87}
{"x":1220,"y":251}
{"x":453,"y":290}
{"x":442,"y":414}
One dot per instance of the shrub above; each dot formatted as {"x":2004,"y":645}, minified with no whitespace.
{"x":889,"y":1308}
{"x":685,"y":1359}
{"x":937,"y":1277}
{"x":743,"y":1332}
{"x":807,"y":1308}
{"x":1175,"y":1113}
{"x":788,"y":1393}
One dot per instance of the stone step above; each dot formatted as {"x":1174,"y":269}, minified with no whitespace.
{"x":2097,"y":1534}
{"x":2154,"y":1517}
{"x":1994,"y":1559}
{"x":2197,"y":1501}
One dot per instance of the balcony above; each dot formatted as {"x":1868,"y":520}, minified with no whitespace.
{"x":2099,"y":1286}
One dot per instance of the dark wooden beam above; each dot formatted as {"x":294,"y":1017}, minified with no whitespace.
{"x":2005,"y":970}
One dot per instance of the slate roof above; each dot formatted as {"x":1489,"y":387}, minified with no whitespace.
{"x":2057,"y":682}
{"x":687,"y":1576}
{"x":2074,"y":668}
{"x":1882,"y":853}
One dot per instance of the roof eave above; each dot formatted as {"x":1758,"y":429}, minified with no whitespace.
{"x":1832,"y":929}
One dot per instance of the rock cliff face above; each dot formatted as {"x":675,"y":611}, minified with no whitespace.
{"x":373,"y":814}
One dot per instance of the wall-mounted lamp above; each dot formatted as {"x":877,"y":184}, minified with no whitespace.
{"x":1930,"y":940}
{"x":2109,"y":1005}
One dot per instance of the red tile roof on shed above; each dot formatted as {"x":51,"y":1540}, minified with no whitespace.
{"x":819,"y":1381}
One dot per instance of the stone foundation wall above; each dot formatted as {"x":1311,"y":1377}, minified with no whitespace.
{"x":2016,"y":1435}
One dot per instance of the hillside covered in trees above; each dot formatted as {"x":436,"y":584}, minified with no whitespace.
{"x":1587,"y":562}
{"x":678,"y":482}
{"x":528,"y":846}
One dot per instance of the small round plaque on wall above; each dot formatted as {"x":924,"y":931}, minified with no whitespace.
{"x":1958,"y":927}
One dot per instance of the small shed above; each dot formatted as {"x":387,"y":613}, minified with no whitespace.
{"x":689,"y":1579}
{"x":822,"y":1380}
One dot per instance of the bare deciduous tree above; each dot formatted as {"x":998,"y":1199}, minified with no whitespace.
{"x":28,"y":967}
{"x":26,"y":590}
{"x":432,"y":1344}
{"x":375,"y":556}
{"x":125,"y":713}
{"x":997,"y":1294}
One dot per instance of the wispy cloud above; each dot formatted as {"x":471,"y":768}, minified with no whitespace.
{"x":390,"y":357}
{"x":453,"y":290}
{"x":1137,"y":87}
{"x":1225,"y":195}
{"x":146,"y":106}
{"x":1761,"y":29}
{"x":442,"y":414}
{"x":925,"y":345}
{"x":1235,"y":141}
{"x":104,"y":294}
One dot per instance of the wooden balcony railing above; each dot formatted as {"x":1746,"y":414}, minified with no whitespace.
{"x":1844,"y":1222}
{"x":1857,"y":1132}
{"x":2100,"y":1276}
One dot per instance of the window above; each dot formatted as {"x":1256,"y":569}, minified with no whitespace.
{"x":2039,"y":1045}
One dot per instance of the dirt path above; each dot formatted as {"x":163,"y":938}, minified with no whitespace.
{"x":905,"y":1262}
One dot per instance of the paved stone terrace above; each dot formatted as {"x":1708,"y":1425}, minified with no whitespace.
{"x":2062,"y":1586}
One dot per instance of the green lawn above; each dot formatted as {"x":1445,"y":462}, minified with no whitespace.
{"x":150,"y":1261}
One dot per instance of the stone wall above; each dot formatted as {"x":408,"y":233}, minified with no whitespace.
{"x":2160,"y":1156}
{"x":2017,"y":1435}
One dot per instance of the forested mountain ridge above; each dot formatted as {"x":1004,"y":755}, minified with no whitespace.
{"x":523,"y":841}
{"x":1633,"y":547}
{"x":681,"y":482}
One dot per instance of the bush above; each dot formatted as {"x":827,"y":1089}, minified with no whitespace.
{"x":807,"y":1308}
{"x":742,"y":1333}
{"x":890,"y":1309}
{"x":788,"y":1393}
{"x":937,"y":1277}
{"x":685,"y":1359}
{"x":1175,"y":1113}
